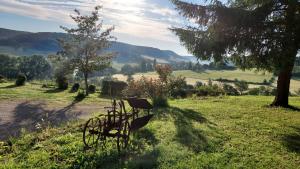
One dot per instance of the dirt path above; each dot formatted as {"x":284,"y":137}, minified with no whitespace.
{"x":29,"y":115}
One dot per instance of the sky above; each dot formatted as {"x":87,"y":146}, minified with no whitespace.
{"x":138,"y":22}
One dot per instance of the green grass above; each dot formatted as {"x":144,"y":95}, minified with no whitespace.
{"x":221,"y":132}
{"x":34,"y":91}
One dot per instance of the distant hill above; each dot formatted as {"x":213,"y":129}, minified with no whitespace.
{"x":44,"y":43}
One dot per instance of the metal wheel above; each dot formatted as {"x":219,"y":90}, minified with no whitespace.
{"x":123,"y":136}
{"x":91,"y":132}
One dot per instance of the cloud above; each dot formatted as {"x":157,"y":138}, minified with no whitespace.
{"x":139,"y":18}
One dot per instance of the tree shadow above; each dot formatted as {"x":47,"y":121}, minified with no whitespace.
{"x":54,"y":90}
{"x":134,"y":157}
{"x":187,"y":134}
{"x":292,"y":141}
{"x":33,"y":116}
{"x":9,"y":86}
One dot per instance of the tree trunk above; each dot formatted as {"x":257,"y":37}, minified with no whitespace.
{"x":283,"y":88}
{"x":86,"y":84}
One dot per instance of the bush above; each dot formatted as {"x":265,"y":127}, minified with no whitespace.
{"x":241,"y":86}
{"x":92,"y":88}
{"x":262,"y":90}
{"x":62,"y":82}
{"x":230,"y":90}
{"x":198,"y":84}
{"x":160,"y":102}
{"x":254,"y":91}
{"x":2,"y":79}
{"x":21,"y":79}
{"x":179,"y":93}
{"x":80,"y":95}
{"x":75,"y":87}
{"x":213,"y":90}
{"x":154,"y":89}
{"x":112,"y":88}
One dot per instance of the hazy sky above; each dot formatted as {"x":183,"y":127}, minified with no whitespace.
{"x":139,"y":22}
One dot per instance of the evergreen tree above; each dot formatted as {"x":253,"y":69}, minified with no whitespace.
{"x":85,"y":44}
{"x":262,"y":34}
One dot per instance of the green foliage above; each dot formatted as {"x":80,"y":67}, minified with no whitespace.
{"x":112,"y":88}
{"x":75,"y":87}
{"x":84,"y":49}
{"x":230,"y":90}
{"x":62,"y":82}
{"x":92,"y":88}
{"x":34,"y":67}
{"x":160,"y":101}
{"x":262,"y":90}
{"x":2,"y":79}
{"x":80,"y":95}
{"x":241,"y":86}
{"x":21,"y":79}
{"x":213,"y":90}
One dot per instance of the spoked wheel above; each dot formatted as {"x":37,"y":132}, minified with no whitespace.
{"x":92,"y":131}
{"x":123,"y":136}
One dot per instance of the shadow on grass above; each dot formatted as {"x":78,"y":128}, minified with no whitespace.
{"x":292,"y":141}
{"x":134,"y":157}
{"x":187,"y":134}
{"x":54,"y":90}
{"x":31,"y":116}
{"x":10,"y":86}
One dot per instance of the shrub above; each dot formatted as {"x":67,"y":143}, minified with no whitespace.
{"x":154,"y":89}
{"x":254,"y":91}
{"x":241,"y":86}
{"x":213,"y":90}
{"x":21,"y":79}
{"x":112,"y":88}
{"x":2,"y":79}
{"x":75,"y":87}
{"x":230,"y":90}
{"x":92,"y":88}
{"x":198,"y":84}
{"x":62,"y":82}
{"x":262,"y":90}
{"x":80,"y":95}
{"x":179,"y":93}
{"x":160,"y":102}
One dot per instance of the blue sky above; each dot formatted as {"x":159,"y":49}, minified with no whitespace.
{"x":139,"y":22}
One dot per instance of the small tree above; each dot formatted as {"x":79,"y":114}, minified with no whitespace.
{"x":85,"y":44}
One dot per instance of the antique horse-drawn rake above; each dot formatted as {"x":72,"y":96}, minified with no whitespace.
{"x":117,"y":123}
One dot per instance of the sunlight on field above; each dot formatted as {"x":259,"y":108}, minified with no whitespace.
{"x":193,"y":77}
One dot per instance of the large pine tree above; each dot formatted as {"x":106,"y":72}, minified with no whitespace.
{"x":261,"y":34}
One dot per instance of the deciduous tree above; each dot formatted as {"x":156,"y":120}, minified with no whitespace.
{"x":84,"y":47}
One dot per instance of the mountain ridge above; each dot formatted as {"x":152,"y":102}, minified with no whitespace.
{"x":45,"y":43}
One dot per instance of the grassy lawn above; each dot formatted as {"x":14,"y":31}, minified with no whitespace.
{"x":34,"y":91}
{"x":221,"y":132}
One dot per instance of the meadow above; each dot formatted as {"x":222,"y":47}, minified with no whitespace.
{"x":193,"y":77}
{"x":206,"y":132}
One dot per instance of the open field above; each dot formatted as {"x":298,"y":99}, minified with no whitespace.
{"x":193,"y":77}
{"x":229,"y":132}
